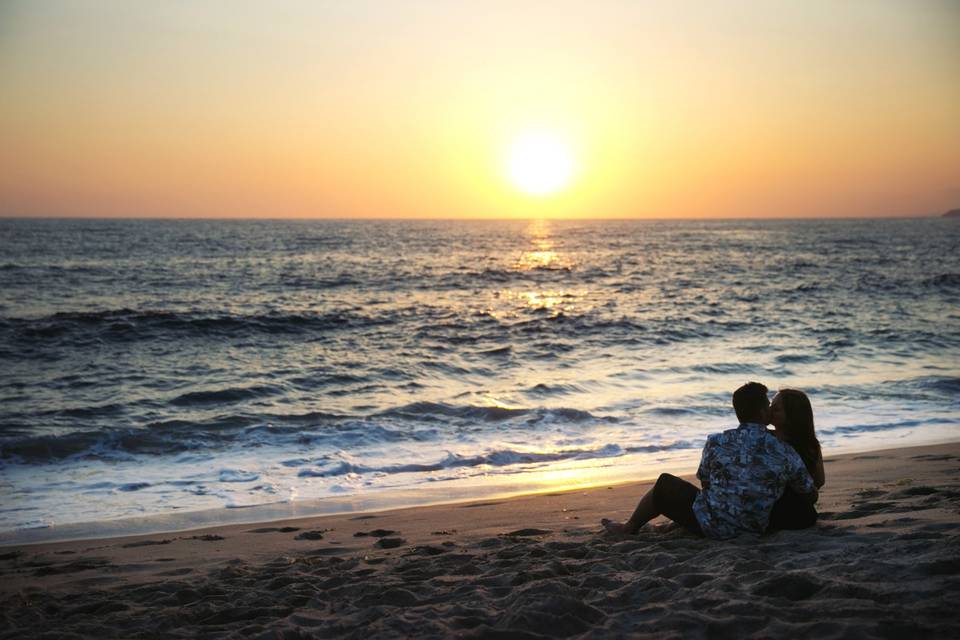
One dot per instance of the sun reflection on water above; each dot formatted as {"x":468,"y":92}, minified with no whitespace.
{"x":541,"y":254}
{"x":540,"y":259}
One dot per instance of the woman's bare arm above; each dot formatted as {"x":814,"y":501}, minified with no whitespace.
{"x":819,"y":477}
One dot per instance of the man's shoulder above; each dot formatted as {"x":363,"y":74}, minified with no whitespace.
{"x":773,"y":448}
{"x":750,"y":439}
{"x":771,"y":442}
{"x":723,"y":436}
{"x":770,"y":438}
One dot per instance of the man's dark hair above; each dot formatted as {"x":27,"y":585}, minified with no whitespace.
{"x":749,"y":401}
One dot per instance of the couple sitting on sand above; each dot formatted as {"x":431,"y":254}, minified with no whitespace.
{"x":753,"y":480}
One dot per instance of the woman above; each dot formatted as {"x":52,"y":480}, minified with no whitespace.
{"x":792,"y":418}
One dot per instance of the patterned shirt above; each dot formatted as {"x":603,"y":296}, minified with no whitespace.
{"x":743,"y":472}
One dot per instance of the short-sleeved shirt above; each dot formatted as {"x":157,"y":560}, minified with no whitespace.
{"x":743,"y":472}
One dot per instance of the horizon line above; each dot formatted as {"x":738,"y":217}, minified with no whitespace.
{"x":468,"y":219}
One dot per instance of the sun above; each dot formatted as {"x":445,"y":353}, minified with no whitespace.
{"x":540,"y":163}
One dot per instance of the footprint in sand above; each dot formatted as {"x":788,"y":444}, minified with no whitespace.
{"x":145,"y":543}
{"x":390,"y":543}
{"x":864,"y":509}
{"x":901,"y":521}
{"x":792,"y":586}
{"x":332,"y":551}
{"x":376,"y":533}
{"x":311,"y":535}
{"x":940,"y":567}
{"x":916,"y":491}
{"x":526,"y":533}
{"x":275,"y":530}
{"x":932,"y":457}
{"x":920,"y":535}
{"x":428,"y":550}
{"x":480,"y":504}
{"x":84,"y":564}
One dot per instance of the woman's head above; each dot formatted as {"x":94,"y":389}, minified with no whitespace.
{"x":792,"y":417}
{"x":791,"y":413}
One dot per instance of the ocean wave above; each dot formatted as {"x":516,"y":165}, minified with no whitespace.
{"x":903,"y":393}
{"x":501,"y":275}
{"x":308,"y":418}
{"x":495,"y":275}
{"x":721,"y":368}
{"x":229,"y":395}
{"x":949,"y":385}
{"x":433,"y":410}
{"x":312,"y":282}
{"x":790,"y":358}
{"x":322,"y":380}
{"x":543,"y":389}
{"x":178,"y":437}
{"x":125,"y":324}
{"x":883,"y":426}
{"x":165,"y":437}
{"x":237,"y":475}
{"x":96,"y":411}
{"x":97,"y":444}
{"x":671,"y":411}
{"x":948,"y":281}
{"x":497,"y":352}
{"x":133,"y":486}
{"x":498,"y":458}
{"x":219,"y":425}
{"x":415,"y":422}
{"x":354,"y":432}
{"x":53,"y":269}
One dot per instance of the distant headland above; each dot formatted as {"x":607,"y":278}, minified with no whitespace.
{"x":953,"y":213}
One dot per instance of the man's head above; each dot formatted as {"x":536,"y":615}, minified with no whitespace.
{"x":751,"y":403}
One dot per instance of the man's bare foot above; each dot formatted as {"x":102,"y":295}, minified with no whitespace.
{"x":614,"y":527}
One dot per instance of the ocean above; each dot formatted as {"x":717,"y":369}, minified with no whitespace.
{"x":182,"y":372}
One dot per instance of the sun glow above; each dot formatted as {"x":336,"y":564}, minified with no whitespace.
{"x":540,"y":163}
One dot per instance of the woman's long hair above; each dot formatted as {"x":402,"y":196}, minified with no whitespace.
{"x":798,"y":427}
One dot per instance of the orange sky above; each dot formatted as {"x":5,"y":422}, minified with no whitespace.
{"x":406,"y":109}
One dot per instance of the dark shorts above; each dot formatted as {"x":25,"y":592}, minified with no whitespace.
{"x":673,"y":497}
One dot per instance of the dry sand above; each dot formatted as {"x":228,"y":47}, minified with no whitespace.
{"x":883,"y":562}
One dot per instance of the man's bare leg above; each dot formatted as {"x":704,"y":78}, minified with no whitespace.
{"x":644,"y":513}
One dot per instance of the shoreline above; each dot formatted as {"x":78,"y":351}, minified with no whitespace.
{"x":883,"y":561}
{"x":631,"y":487}
{"x":375,"y":503}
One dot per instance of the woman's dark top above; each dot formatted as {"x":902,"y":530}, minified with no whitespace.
{"x":793,"y":511}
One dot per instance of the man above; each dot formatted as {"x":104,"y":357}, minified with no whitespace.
{"x":742,"y":472}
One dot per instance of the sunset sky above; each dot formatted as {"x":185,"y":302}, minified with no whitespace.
{"x":411,"y":109}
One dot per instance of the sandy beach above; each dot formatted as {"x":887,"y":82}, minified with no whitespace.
{"x":883,"y":562}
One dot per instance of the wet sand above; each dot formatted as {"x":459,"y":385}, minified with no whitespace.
{"x":884,"y":562}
